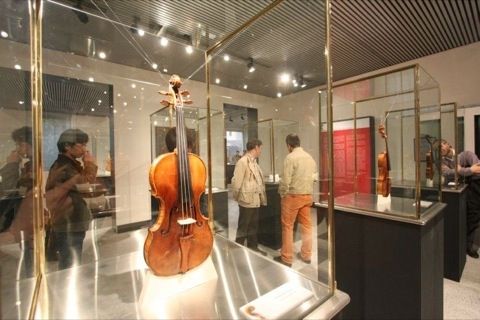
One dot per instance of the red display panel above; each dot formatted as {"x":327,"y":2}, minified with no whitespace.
{"x":344,"y":136}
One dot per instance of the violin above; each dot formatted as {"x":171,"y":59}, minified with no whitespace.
{"x":429,"y":173}
{"x":181,"y":238}
{"x":383,"y":161}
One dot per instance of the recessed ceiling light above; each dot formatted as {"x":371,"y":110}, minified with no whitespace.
{"x":93,"y":109}
{"x":217,"y":81}
{"x":134,"y":85}
{"x":125,"y":104}
{"x":189,"y":49}
{"x":279,"y":94}
{"x":226,"y":57}
{"x":4,"y":34}
{"x":163,"y":41}
{"x":91,"y":79}
{"x":141,"y":32}
{"x":21,"y":102}
{"x":154,"y":66}
{"x":102,"y":55}
{"x":18,"y":67}
{"x":99,"y":101}
{"x":285,"y":77}
{"x":165,"y":70}
{"x":245,"y":86}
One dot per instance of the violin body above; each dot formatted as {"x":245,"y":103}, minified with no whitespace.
{"x":383,"y":160}
{"x":383,"y":180}
{"x":172,"y":248}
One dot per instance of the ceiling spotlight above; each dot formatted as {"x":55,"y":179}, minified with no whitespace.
{"x":91,"y":79}
{"x":4,"y":34}
{"x":17,"y":67}
{"x":102,"y":55}
{"x":82,"y":16}
{"x":245,"y":86}
{"x":154,"y":66}
{"x":189,"y":49}
{"x":226,"y":57}
{"x":165,"y":70}
{"x":163,"y":41}
{"x":279,"y":94}
{"x":155,"y":28}
{"x":285,"y":77}
{"x":303,"y":83}
{"x":217,"y":80}
{"x":134,"y":27}
{"x":250,"y":66}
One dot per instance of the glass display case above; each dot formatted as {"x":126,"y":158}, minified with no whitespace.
{"x":101,"y":78}
{"x":406,"y":182}
{"x":196,"y":125}
{"x":450,"y":136}
{"x":272,"y":133}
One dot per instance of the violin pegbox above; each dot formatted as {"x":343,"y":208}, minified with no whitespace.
{"x":174,"y":95}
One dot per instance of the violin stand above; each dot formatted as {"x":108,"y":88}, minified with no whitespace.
{"x":384,"y":203}
{"x":161,"y":297}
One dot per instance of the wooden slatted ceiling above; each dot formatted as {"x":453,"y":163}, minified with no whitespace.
{"x":367,"y":35}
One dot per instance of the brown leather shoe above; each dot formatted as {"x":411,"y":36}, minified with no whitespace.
{"x":279,"y":259}
{"x":299,"y":256}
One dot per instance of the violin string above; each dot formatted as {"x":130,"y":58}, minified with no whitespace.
{"x":186,"y":163}
{"x":180,"y":148}
{"x":179,"y":117}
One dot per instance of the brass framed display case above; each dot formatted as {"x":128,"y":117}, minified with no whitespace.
{"x":450,"y":134}
{"x":406,"y":102}
{"x":273,"y":132}
{"x":108,"y":72}
{"x":196,"y":125}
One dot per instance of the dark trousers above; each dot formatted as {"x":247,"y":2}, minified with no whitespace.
{"x":473,"y":210}
{"x":69,"y":246}
{"x":247,"y":227}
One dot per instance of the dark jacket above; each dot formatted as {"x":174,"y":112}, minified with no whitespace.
{"x":69,"y":210}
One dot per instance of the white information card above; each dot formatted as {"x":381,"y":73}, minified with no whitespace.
{"x":277,"y":302}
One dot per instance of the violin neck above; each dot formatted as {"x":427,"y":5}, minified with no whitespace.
{"x":388,"y":154}
{"x":184,"y":184}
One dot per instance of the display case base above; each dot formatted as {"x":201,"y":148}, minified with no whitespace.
{"x":390,"y":268}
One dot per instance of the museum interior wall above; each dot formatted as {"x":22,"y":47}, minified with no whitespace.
{"x":455,"y":70}
{"x":132,"y":128}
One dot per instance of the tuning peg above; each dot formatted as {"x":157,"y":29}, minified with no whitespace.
{"x":166,"y":103}
{"x":165,"y":93}
{"x":185,"y":93}
{"x":187,"y":101}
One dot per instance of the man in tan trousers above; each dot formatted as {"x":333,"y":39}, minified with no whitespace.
{"x":296,"y":188}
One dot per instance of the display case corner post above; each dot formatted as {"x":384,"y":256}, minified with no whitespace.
{"x":328,"y":76}
{"x":417,"y":139}
{"x":35,"y":8}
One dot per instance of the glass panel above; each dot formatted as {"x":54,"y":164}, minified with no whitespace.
{"x":16,"y":163}
{"x":449,"y":146}
{"x":284,"y":102}
{"x":105,"y":88}
{"x":360,"y":108}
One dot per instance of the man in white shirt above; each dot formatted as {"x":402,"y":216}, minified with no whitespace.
{"x":296,"y":189}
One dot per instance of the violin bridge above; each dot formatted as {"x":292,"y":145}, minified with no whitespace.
{"x":186,"y":221}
